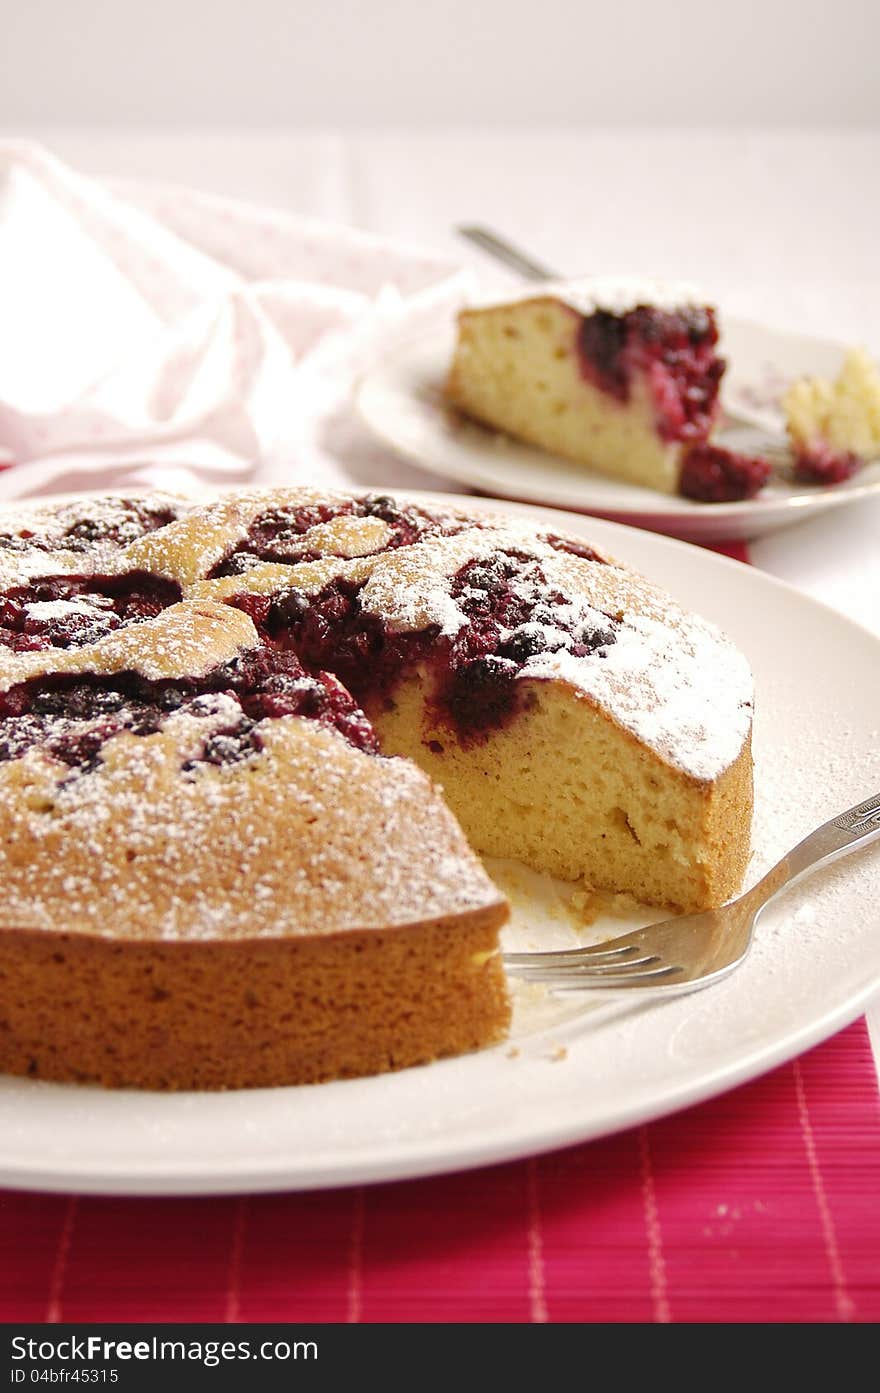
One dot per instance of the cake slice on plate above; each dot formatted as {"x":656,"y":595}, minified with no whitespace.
{"x":620,"y":376}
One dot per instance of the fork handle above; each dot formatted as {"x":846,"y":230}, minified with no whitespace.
{"x":506,"y":252}
{"x":843,"y":834}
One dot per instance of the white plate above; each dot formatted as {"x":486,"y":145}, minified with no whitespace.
{"x":580,"y":1070}
{"x":401,"y":400}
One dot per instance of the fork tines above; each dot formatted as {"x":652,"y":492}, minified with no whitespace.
{"x":574,"y":969}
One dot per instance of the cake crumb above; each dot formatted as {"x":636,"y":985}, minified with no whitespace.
{"x":844,"y":412}
{"x":480,"y":959}
{"x":588,"y":904}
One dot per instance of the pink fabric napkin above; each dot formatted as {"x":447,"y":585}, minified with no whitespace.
{"x":154,"y":336}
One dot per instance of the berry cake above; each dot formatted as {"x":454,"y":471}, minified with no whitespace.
{"x":225,"y":850}
{"x":622,"y":377}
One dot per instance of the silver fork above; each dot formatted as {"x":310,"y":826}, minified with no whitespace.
{"x":693,"y":951}
{"x":502,"y":250}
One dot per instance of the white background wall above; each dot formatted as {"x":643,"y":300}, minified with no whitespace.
{"x":346,"y":62}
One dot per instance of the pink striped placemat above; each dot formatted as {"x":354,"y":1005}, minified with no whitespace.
{"x":760,"y":1205}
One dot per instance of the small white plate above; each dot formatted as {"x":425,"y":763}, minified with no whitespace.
{"x":570,"y":1071}
{"x":401,"y":400}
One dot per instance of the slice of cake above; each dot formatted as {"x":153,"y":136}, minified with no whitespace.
{"x":622,"y":377}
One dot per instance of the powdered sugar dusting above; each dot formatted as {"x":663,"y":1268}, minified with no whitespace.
{"x":188,"y":639}
{"x":42,"y":610}
{"x":670,"y":677}
{"x":232,"y":851}
{"x":615,"y":294}
{"x":691,"y":703}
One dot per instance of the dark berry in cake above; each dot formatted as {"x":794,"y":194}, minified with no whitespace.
{"x":231,"y":746}
{"x":529,"y":641}
{"x":70,"y":611}
{"x":480,"y":696}
{"x":711,"y":474}
{"x":71,"y":716}
{"x":288,"y":607}
{"x":603,"y":344}
{"x":237,"y":564}
{"x":674,"y":349}
{"x":820,"y":463}
{"x":500,"y":587}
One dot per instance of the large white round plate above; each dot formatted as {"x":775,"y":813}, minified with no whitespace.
{"x":401,"y":400}
{"x":573,"y":1071}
